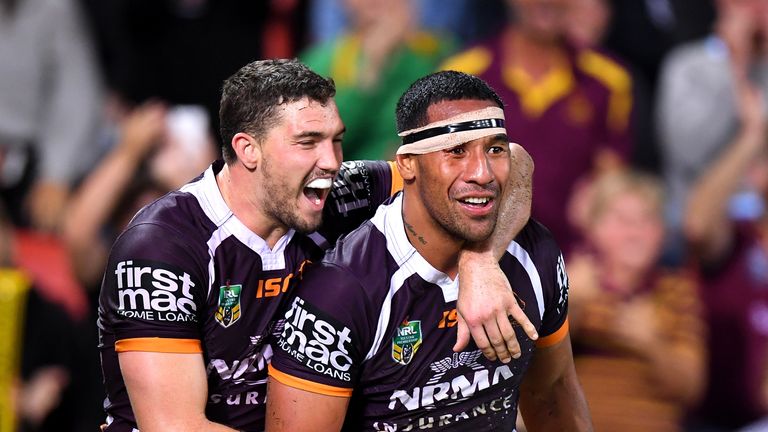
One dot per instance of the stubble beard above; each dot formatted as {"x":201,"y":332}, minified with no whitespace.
{"x":280,"y":203}
{"x":449,"y":219}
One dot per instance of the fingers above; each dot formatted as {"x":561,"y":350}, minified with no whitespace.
{"x":462,"y":335}
{"x":511,"y":345}
{"x":517,"y":314}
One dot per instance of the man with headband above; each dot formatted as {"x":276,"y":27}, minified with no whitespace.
{"x":366,"y":343}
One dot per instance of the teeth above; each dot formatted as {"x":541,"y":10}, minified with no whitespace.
{"x":476,"y":200}
{"x":317,"y":201}
{"x":320,"y":183}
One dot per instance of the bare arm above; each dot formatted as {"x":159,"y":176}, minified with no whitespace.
{"x":94,"y":202}
{"x":707,"y":211}
{"x":485,"y":299}
{"x":551,"y":398}
{"x":168,"y":392}
{"x":291,"y":409}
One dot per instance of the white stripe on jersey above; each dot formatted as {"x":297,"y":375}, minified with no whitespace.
{"x":525,"y":260}
{"x":208,"y":195}
{"x":389,"y":221}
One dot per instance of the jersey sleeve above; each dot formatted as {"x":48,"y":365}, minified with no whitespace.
{"x":359,"y":189}
{"x":326,"y":333}
{"x":152,"y":292}
{"x":554,"y":324}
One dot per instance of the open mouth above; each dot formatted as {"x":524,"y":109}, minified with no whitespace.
{"x":317,"y":190}
{"x":476,"y":202}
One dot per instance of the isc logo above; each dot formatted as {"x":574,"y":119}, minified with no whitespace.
{"x":273,"y":287}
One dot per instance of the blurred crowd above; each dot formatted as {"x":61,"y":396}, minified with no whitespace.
{"x":647,"y":121}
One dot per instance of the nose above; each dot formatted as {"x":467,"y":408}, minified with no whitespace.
{"x":478,"y":168}
{"x":329,"y":157}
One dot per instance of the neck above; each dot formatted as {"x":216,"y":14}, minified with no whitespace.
{"x":232,"y":181}
{"x":439,"y":248}
{"x":625,"y":279}
{"x":535,"y":56}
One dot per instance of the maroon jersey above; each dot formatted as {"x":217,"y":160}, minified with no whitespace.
{"x":187,"y":276}
{"x":735,"y":296}
{"x":581,"y":107}
{"x":374,"y":321}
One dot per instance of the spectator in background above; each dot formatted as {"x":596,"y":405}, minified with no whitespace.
{"x":586,"y":27}
{"x":36,"y":349}
{"x":372,"y":64}
{"x":697,"y":114}
{"x":733,"y":254}
{"x":637,"y":330}
{"x":467,"y":20}
{"x":49,"y":107}
{"x":181,"y":51}
{"x":569,"y":107}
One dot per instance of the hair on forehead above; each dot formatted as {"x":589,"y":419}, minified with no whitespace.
{"x":250,"y":98}
{"x":411,"y":111}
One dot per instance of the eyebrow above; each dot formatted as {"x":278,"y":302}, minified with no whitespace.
{"x":316,"y":134}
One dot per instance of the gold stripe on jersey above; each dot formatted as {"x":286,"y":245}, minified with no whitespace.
{"x":310,"y":386}
{"x":397,"y":179}
{"x":554,"y":338}
{"x":163,"y":345}
{"x":616,"y":79}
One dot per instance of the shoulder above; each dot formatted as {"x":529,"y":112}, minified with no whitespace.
{"x":173,"y":224}
{"x":475,"y":60}
{"x":536,"y":239}
{"x":605,"y":69}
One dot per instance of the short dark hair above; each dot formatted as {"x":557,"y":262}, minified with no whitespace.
{"x":441,"y":86}
{"x":250,"y":96}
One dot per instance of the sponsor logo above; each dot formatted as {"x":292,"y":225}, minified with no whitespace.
{"x":406,"y":342}
{"x":450,"y":319}
{"x":244,"y":398}
{"x":241,"y":371}
{"x":503,"y":408}
{"x":273,"y":287}
{"x":317,"y":341}
{"x":229,"y":309}
{"x":154,"y":291}
{"x":459,"y":388}
{"x":562,"y":282}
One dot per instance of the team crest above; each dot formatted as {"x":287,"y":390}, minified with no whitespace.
{"x":406,"y":342}
{"x":229,"y":309}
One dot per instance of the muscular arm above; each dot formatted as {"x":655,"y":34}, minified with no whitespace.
{"x":485,"y":298}
{"x":291,"y":409}
{"x":550,"y":395}
{"x":168,"y":391}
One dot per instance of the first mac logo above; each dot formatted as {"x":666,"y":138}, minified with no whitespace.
{"x":154,"y":291}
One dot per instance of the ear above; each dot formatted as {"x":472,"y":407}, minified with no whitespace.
{"x":406,"y":164}
{"x":247,"y":149}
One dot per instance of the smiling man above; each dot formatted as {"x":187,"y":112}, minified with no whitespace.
{"x":194,"y":284}
{"x":367,"y":340}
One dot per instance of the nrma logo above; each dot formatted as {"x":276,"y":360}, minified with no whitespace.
{"x":150,"y":290}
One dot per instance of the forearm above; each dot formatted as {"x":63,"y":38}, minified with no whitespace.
{"x":679,"y":374}
{"x":706,"y":212}
{"x":90,"y":209}
{"x":514,"y":212}
{"x":562,"y":407}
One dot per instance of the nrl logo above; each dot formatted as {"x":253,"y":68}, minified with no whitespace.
{"x":229,"y":309}
{"x":406,"y":342}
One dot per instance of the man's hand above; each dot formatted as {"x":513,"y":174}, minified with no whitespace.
{"x":486,"y":311}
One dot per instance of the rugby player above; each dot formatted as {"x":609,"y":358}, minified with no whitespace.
{"x":195,"y":282}
{"x":366,"y":342}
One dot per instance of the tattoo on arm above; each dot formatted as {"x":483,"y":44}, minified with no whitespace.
{"x":410,"y":229}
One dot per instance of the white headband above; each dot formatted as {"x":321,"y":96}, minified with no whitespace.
{"x":449,"y":133}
